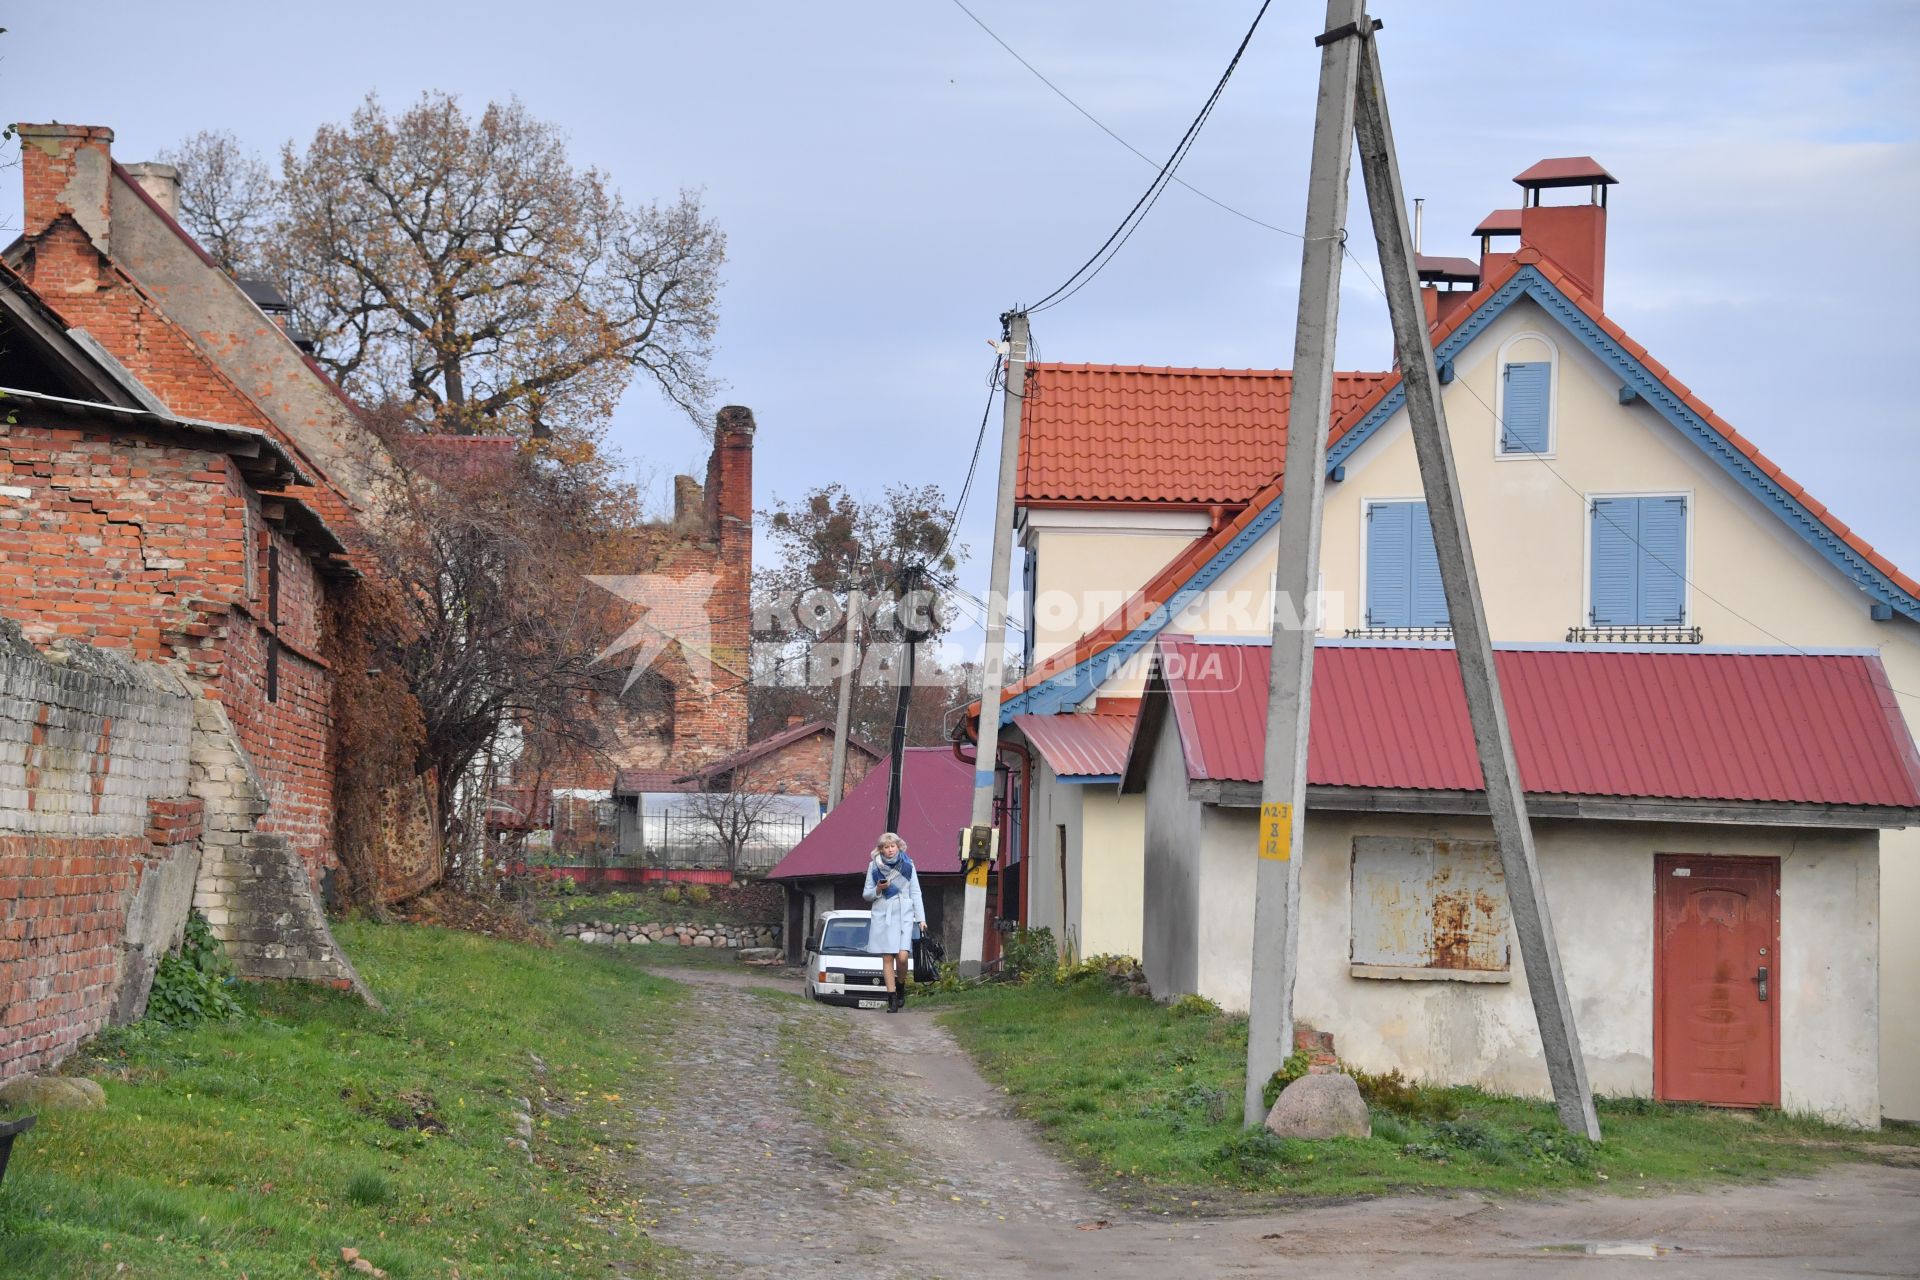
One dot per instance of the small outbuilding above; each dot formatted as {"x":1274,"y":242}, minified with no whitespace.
{"x":1708,"y":828}
{"x":825,"y":871}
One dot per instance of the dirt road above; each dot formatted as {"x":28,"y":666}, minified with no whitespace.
{"x":952,"y":1185}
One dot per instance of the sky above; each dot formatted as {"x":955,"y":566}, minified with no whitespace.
{"x":891,"y":180}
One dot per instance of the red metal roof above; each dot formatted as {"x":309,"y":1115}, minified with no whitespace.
{"x":1080,"y":745}
{"x":1704,"y":725}
{"x":936,"y":803}
{"x":1565,"y":171}
{"x":1501,"y":222}
{"x":1188,"y":437}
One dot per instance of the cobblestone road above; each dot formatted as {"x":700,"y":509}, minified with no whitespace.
{"x":740,"y":1177}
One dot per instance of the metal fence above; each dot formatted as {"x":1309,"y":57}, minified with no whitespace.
{"x":606,"y":835}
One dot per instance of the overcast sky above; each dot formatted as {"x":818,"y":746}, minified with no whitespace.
{"x":890,"y":180}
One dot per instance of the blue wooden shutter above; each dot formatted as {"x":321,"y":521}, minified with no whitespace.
{"x":1429,"y":596}
{"x":1662,"y":595}
{"x":1523,"y":410}
{"x":1389,"y":564}
{"x":1614,"y":560}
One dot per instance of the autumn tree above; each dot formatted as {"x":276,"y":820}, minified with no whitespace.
{"x":825,"y":544}
{"x":464,"y":267}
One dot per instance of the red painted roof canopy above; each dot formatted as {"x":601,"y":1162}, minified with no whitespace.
{"x":1080,"y":745}
{"x":936,"y":804}
{"x":1704,"y":725}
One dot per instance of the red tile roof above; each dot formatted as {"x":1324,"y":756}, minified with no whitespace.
{"x":1107,"y":434}
{"x":1705,"y":725}
{"x":1162,"y":586}
{"x":1080,"y":745}
{"x":936,"y":803}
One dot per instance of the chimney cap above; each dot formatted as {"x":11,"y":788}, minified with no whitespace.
{"x":1501,"y":222}
{"x":1565,"y":171}
{"x":1437,"y":270}
{"x":264,"y":294}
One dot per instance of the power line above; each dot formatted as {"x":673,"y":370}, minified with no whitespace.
{"x":1124,"y":231}
{"x":1101,"y":125}
{"x":1533,"y":455}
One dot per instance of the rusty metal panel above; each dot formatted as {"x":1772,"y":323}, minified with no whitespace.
{"x":1429,"y":904}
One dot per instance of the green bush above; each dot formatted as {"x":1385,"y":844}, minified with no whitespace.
{"x":1292,"y":1069}
{"x":699,"y":895}
{"x":670,"y":895}
{"x":192,"y":984}
{"x":1194,"y":1005}
{"x":1392,"y":1091}
{"x":1029,"y":954}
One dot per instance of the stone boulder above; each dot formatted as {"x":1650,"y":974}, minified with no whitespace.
{"x":1320,"y":1105}
{"x":52,"y":1093}
{"x":761,"y":955}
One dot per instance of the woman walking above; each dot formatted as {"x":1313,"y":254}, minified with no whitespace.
{"x":898,"y":913}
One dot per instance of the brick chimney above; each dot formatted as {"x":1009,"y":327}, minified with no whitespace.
{"x":66,"y":170}
{"x":161,"y":181}
{"x":729,"y":490}
{"x":1498,"y":225}
{"x":1445,"y":284}
{"x":1574,"y":236}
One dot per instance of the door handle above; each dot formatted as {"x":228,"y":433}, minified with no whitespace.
{"x":1761,"y":979}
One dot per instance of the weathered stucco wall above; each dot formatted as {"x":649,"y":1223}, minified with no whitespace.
{"x":1107,"y":860}
{"x":1600,"y":878}
{"x":1173,"y":873}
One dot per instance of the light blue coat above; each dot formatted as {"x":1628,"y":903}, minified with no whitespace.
{"x":893,"y":917}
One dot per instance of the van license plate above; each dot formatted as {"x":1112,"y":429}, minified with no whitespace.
{"x":873,"y":1004}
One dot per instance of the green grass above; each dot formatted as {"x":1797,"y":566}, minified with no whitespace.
{"x":265,"y":1145}
{"x":1148,"y":1100}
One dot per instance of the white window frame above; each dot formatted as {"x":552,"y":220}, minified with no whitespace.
{"x":1500,"y":363}
{"x":1586,"y":553}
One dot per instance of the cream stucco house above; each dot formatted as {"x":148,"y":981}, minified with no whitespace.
{"x":1608,"y":506}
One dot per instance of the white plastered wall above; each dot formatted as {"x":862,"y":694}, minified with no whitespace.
{"x":1483,"y":1033}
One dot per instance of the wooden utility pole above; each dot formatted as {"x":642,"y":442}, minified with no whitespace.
{"x":1353,"y":97}
{"x":909,"y":582}
{"x":849,"y":658}
{"x":1276,"y":928}
{"x":978,"y":841}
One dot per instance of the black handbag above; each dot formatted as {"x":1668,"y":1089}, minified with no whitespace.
{"x":927,"y":956}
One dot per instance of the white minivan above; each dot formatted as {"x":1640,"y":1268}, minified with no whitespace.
{"x":839,"y":970}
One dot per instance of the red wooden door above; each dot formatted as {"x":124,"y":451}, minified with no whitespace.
{"x":1716,"y":984}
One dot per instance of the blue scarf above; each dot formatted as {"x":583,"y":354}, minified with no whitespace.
{"x":883,"y":872}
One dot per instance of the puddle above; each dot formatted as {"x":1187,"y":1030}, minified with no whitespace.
{"x":1614,"y":1249}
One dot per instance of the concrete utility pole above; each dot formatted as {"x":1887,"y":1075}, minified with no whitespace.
{"x":1353,"y":97}
{"x":979,"y":842}
{"x":1473,"y":644}
{"x":1276,"y":929}
{"x":849,"y":657}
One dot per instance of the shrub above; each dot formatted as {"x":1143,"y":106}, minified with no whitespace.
{"x":1292,"y":1069}
{"x":1194,"y":1005}
{"x":1028,"y":954}
{"x":670,"y":895}
{"x":1392,"y":1091}
{"x":1118,"y":972}
{"x":699,"y":895}
{"x":192,"y":983}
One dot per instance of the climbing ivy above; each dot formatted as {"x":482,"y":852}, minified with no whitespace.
{"x":194,"y":982}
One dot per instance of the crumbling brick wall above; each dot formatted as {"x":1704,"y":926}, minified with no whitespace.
{"x":99,"y":843}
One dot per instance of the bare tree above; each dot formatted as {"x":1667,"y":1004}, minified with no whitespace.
{"x":229,"y":200}
{"x":741,"y":807}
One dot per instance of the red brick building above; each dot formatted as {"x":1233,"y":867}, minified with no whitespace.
{"x":150,"y":508}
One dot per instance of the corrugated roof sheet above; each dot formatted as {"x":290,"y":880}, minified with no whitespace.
{"x":1196,"y":437}
{"x":1705,"y":725}
{"x":936,"y":804}
{"x":1080,"y":745}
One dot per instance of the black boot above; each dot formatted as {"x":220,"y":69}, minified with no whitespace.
{"x":893,"y":1000}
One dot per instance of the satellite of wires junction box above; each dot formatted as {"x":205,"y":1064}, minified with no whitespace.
{"x":979,"y":846}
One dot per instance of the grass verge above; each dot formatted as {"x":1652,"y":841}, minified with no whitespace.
{"x":841,"y":1094}
{"x":1147,"y":1098}
{"x":265,"y":1145}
